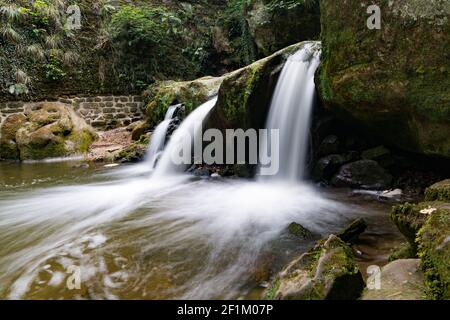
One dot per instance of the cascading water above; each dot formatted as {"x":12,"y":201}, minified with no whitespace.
{"x":190,"y":128}
{"x":290,"y":111}
{"x":158,"y":139}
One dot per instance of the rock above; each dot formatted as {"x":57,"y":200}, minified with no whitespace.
{"x":245,"y":94}
{"x":134,"y":152}
{"x":403,"y":251}
{"x":439,"y":191}
{"x":327,"y":166}
{"x":391,"y":194}
{"x":138,"y":130}
{"x":48,"y":130}
{"x":328,"y":271}
{"x":192,"y":94}
{"x":434,"y":252}
{"x":379,"y":154}
{"x":365,"y":174}
{"x":8,"y":131}
{"x":409,"y":220}
{"x":353,"y":230}
{"x":329,"y":145}
{"x":276,"y":25}
{"x":201,"y":172}
{"x":372,"y":78}
{"x":298,"y":230}
{"x":400,"y":280}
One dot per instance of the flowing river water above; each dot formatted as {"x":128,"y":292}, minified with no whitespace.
{"x":177,"y":237}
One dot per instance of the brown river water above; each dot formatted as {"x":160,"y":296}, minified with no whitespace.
{"x":125,"y":235}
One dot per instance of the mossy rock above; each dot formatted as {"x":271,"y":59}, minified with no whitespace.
{"x":46,"y":130}
{"x":410,"y":218}
{"x":191,"y":94}
{"x":434,"y":252}
{"x":8,"y":130}
{"x":274,"y":25}
{"x":403,"y":251}
{"x":328,"y":271}
{"x":372,"y":78}
{"x":300,"y":231}
{"x":245,"y":94}
{"x":439,"y":191}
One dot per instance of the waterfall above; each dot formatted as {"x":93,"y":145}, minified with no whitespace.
{"x":290,"y":111}
{"x":189,"y":128}
{"x":159,"y":137}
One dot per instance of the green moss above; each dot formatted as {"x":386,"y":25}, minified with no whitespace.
{"x":82,"y":139}
{"x":438,"y":192}
{"x":403,"y":251}
{"x":270,"y":295}
{"x":434,"y":251}
{"x":55,"y":148}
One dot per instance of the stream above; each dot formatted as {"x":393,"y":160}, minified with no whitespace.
{"x":164,"y":238}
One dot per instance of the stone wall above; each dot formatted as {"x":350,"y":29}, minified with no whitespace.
{"x":101,"y":112}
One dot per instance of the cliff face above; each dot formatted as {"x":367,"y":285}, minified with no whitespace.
{"x":393,"y":81}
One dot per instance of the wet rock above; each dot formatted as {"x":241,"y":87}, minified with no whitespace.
{"x":353,"y":230}
{"x":327,"y":166}
{"x":379,"y":154}
{"x":391,"y":194}
{"x":134,"y":152}
{"x":364,"y":174}
{"x":434,"y":251}
{"x":329,"y":145}
{"x":298,"y":230}
{"x":328,"y":271}
{"x":400,"y":280}
{"x":439,"y":191}
{"x":201,"y":172}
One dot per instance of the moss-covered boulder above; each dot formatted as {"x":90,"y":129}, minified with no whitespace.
{"x":8,"y":143}
{"x":45,"y":130}
{"x":274,"y":25}
{"x":439,"y":191}
{"x":434,"y":252}
{"x":410,"y":218}
{"x":245,"y":94}
{"x":328,"y":271}
{"x":162,"y":95}
{"x":375,"y":79}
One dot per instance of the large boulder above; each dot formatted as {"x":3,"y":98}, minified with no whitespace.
{"x":274,"y":25}
{"x":364,"y":174}
{"x":399,"y":280}
{"x":45,"y":130}
{"x":394,"y":81}
{"x":328,"y":271}
{"x":245,"y":94}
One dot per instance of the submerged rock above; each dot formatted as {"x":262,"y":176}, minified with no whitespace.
{"x":45,"y":130}
{"x":364,"y":174}
{"x":400,"y":280}
{"x":300,"y":231}
{"x":328,"y":271}
{"x":353,"y":230}
{"x":372,"y":78}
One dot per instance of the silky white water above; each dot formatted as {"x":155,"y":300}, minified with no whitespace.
{"x":158,"y":139}
{"x":290,"y":112}
{"x":163,"y":234}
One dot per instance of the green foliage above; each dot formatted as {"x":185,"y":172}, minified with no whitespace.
{"x":53,"y":69}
